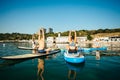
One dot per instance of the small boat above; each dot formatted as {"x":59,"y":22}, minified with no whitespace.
{"x":74,"y":58}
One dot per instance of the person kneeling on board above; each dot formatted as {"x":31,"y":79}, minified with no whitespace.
{"x":41,"y":41}
{"x":34,"y":45}
{"x":72,"y":48}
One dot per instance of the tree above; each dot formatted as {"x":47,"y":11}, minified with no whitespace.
{"x":89,"y":37}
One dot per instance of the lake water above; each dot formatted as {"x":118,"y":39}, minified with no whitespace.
{"x":54,"y":67}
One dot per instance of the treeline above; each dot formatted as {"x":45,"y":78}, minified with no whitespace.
{"x":15,"y":36}
{"x":92,"y":32}
{"x":88,"y":33}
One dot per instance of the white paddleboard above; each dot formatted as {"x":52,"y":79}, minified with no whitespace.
{"x":26,"y":48}
{"x":29,"y":56}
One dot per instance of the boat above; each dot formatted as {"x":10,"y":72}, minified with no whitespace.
{"x":29,"y":56}
{"x":74,"y":58}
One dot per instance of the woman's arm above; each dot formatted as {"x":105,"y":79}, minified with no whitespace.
{"x":75,"y":37}
{"x":43,"y":34}
{"x":69,"y":37}
{"x":39,"y":35}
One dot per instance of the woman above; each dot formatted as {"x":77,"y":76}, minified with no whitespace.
{"x":41,"y":41}
{"x":72,"y":48}
{"x":34,"y":46}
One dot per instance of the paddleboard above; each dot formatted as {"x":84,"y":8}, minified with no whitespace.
{"x":29,"y":56}
{"x":26,"y":48}
{"x":74,"y":58}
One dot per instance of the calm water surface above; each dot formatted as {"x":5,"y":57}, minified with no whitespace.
{"x":55,"y":68}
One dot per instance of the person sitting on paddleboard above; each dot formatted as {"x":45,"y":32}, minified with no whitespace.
{"x":34,"y":45}
{"x":72,"y":48}
{"x":41,"y":42}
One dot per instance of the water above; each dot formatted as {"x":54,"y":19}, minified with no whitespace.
{"x":55,"y":68}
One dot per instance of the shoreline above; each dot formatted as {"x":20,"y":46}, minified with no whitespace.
{"x":87,"y":42}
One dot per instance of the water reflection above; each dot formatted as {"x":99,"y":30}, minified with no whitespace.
{"x":72,"y":75}
{"x":40,"y":69}
{"x":97,"y":55}
{"x":41,"y":65}
{"x":73,"y":69}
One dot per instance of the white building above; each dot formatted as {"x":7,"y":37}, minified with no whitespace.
{"x":81,"y":39}
{"x":49,"y":40}
{"x":115,"y":38}
{"x":62,"y":39}
{"x":108,"y":39}
{"x":101,"y":39}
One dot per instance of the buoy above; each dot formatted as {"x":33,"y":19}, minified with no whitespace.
{"x":3,"y":45}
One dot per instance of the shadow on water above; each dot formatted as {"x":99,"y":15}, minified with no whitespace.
{"x":6,"y":63}
{"x":73,"y":69}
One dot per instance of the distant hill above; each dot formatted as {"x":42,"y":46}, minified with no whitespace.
{"x":106,"y":34}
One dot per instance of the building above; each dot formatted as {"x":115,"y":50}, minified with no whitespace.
{"x":108,"y":39}
{"x":50,"y":30}
{"x":81,"y":39}
{"x":62,"y":39}
{"x":59,"y":34}
{"x":49,"y":40}
{"x":115,"y":38}
{"x":101,"y":39}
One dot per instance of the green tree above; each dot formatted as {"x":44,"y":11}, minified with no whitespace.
{"x":89,"y":37}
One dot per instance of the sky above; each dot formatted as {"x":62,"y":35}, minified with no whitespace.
{"x":28,"y":16}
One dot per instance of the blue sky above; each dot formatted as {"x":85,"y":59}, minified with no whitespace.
{"x":27,"y":16}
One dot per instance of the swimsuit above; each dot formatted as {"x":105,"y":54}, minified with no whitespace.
{"x":41,"y":51}
{"x":72,"y":51}
{"x":72,"y":44}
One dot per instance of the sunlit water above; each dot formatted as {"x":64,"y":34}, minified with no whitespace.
{"x":54,"y":67}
